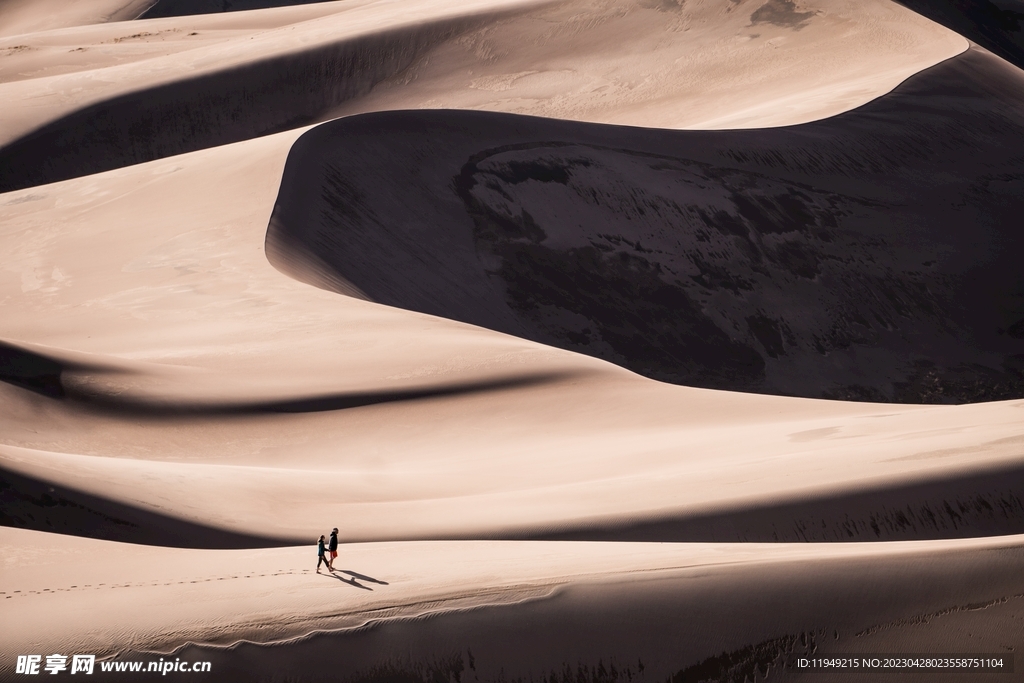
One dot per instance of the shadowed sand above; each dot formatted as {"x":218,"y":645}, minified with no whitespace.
{"x":180,"y":8}
{"x":29,"y":503}
{"x":173,"y":85}
{"x":871,"y":256}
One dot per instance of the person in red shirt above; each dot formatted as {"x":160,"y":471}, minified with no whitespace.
{"x":332,"y":548}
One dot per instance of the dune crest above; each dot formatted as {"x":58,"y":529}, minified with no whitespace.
{"x":31,"y":16}
{"x":996,"y":25}
{"x":233,"y":76}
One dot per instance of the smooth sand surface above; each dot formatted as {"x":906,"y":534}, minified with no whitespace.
{"x":20,"y":17}
{"x":167,"y":387}
{"x":156,"y":599}
{"x":86,"y":50}
{"x":159,"y":90}
{"x":703,"y":65}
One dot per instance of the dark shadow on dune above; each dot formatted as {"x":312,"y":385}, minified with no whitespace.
{"x":29,"y":503}
{"x":350,"y":582}
{"x":261,"y":98}
{"x":39,"y":373}
{"x":870,"y":256}
{"x":128,"y":406}
{"x":181,"y":8}
{"x":987,"y":504}
{"x":997,"y":25}
{"x":31,"y":371}
{"x":43,"y":375}
{"x":363,"y":577}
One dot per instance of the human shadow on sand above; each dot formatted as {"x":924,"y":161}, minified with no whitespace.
{"x":350,"y":582}
{"x":363,"y":577}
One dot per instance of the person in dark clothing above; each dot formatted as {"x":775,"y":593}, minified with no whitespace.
{"x":320,"y":555}
{"x":332,"y":547}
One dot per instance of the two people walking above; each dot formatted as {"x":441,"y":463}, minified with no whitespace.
{"x":326,"y":553}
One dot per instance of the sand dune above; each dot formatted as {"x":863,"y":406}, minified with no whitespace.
{"x":435,"y":343}
{"x":761,"y":257}
{"x":995,"y":25}
{"x":106,"y":55}
{"x":731,"y":621}
{"x":453,"y":595}
{"x":188,"y":393}
{"x":181,"y":8}
{"x":19,"y":17}
{"x":228,"y":93}
{"x":424,"y":485}
{"x":703,"y":65}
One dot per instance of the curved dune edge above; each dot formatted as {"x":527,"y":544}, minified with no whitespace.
{"x":175,"y":597}
{"x":994,"y":26}
{"x":177,"y":85}
{"x":868,"y":256}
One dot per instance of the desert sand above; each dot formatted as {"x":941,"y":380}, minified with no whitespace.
{"x":107,"y":95}
{"x":622,"y":341}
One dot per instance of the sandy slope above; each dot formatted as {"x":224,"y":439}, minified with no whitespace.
{"x":872,"y":255}
{"x":424,"y":485}
{"x":114,"y":98}
{"x":94,"y":50}
{"x":167,"y":597}
{"x":705,"y":65}
{"x":31,"y":16}
{"x":994,"y":25}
